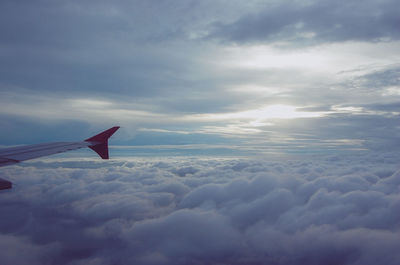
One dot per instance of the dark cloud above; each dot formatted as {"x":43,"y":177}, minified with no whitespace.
{"x":77,"y":24}
{"x":314,"y":22}
{"x":361,"y":130}
{"x":103,"y":49}
{"x":156,"y":58}
{"x":380,"y":79}
{"x":340,"y":209}
{"x":40,"y":131}
{"x":388,"y":107}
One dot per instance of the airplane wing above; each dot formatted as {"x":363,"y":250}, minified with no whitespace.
{"x":13,"y":155}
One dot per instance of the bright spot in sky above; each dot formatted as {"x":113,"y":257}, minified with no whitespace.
{"x":90,"y":103}
{"x":282,"y":112}
{"x":277,"y":111}
{"x":261,"y":57}
{"x":331,"y":58}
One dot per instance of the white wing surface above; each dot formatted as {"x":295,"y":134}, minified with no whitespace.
{"x":9,"y":156}
{"x":14,"y":155}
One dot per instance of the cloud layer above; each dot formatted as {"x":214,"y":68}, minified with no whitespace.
{"x":314,"y":22}
{"x":166,"y":67}
{"x":315,"y":210}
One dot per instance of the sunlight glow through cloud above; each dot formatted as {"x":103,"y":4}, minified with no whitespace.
{"x":328,"y":59}
{"x":259,"y":57}
{"x":276,"y":111}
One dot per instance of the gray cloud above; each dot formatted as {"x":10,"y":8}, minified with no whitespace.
{"x":151,"y":67}
{"x":382,"y":79}
{"x":318,"y":209}
{"x":314,"y":22}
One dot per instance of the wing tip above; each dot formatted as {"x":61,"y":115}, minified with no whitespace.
{"x":5,"y":184}
{"x":103,"y":136}
{"x":100,"y":142}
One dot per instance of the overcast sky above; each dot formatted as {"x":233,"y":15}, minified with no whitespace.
{"x":305,"y":83}
{"x":305,"y":75}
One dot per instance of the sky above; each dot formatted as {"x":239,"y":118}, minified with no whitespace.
{"x":252,"y":132}
{"x":300,"y":76}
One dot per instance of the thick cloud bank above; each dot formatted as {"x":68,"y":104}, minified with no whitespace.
{"x":316,"y":22}
{"x":320,"y":210}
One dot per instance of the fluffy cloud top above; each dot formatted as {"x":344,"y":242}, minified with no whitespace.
{"x":316,"y":210}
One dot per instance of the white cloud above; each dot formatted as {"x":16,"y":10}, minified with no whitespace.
{"x":314,"y":209}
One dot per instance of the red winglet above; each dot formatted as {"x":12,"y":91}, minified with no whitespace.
{"x":100,"y":141}
{"x":5,"y":184}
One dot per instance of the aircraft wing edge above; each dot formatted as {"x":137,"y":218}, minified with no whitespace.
{"x":9,"y":156}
